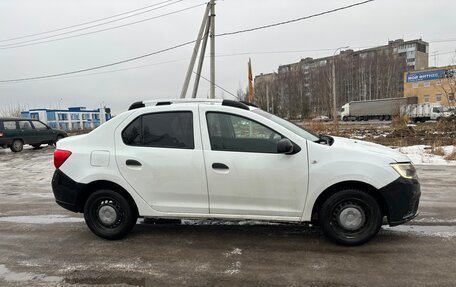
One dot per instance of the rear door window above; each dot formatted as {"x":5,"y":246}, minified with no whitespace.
{"x":25,"y":125}
{"x":163,"y":130}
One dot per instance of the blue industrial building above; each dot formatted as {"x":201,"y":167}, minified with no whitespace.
{"x":74,"y":118}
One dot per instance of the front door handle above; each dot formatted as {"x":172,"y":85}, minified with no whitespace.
{"x":132,"y":162}
{"x":217,"y":165}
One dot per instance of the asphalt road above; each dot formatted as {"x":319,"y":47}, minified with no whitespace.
{"x":41,"y":244}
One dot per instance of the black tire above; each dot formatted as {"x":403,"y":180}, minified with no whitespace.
{"x":365,"y":213}
{"x":119,"y":215}
{"x":59,"y":137}
{"x":17,"y":145}
{"x":36,"y":146}
{"x":345,"y":119}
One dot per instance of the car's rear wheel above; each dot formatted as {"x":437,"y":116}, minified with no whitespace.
{"x":109,"y":215}
{"x":350,"y":217}
{"x":17,"y":145}
{"x":59,"y":137}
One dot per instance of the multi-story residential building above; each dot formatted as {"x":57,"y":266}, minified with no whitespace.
{"x":434,"y":85}
{"x":375,"y":73}
{"x":74,"y":118}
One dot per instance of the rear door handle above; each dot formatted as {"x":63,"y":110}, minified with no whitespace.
{"x":132,"y":162}
{"x":217,"y":165}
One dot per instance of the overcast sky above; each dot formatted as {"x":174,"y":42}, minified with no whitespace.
{"x":363,"y":26}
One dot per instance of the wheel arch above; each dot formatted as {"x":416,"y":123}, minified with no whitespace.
{"x":105,"y":184}
{"x":362,"y":186}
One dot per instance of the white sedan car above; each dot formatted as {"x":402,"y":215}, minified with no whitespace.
{"x":230,"y":160}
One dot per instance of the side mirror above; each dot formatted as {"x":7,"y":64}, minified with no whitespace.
{"x":285,"y":146}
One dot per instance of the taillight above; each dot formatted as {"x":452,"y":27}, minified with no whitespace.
{"x":1,"y":134}
{"x":60,"y":156}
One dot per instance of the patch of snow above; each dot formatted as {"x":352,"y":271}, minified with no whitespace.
{"x":434,"y":231}
{"x":11,"y":276}
{"x":435,"y":220}
{"x":419,"y":154}
{"x":235,"y":268}
{"x":41,"y":219}
{"x":235,"y":251}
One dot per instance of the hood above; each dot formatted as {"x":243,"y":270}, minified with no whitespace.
{"x":371,"y":148}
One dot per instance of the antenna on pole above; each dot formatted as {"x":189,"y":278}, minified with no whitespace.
{"x":207,"y":29}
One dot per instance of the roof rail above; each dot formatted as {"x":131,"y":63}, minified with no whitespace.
{"x":161,"y":102}
{"x":136,"y":105}
{"x":164,"y":102}
{"x":235,"y":104}
{"x":249,"y":104}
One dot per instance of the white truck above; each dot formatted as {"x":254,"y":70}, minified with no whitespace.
{"x":386,"y":109}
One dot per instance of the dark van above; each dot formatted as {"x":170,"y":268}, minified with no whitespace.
{"x":15,"y":132}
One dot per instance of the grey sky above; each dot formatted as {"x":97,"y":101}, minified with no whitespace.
{"x":363,"y":26}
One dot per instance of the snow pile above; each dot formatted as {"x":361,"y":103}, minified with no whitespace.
{"x":421,"y":154}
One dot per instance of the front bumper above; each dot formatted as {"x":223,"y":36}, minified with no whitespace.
{"x":402,"y":198}
{"x":68,"y":193}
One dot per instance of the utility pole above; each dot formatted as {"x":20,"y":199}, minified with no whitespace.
{"x":212,"y":32}
{"x":195,"y":53}
{"x":201,"y":59}
{"x":267,"y":99}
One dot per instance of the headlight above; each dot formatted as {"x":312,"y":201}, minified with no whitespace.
{"x":406,"y":170}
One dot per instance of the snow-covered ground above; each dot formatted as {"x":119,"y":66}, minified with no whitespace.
{"x":421,"y":154}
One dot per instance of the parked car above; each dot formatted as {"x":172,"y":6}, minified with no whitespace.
{"x":227,"y":160}
{"x":321,"y":119}
{"x":16,"y":132}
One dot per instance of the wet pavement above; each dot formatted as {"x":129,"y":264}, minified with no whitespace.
{"x":41,"y":244}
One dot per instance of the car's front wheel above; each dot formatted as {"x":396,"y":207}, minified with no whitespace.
{"x":17,"y":146}
{"x":350,"y":217}
{"x":109,"y":215}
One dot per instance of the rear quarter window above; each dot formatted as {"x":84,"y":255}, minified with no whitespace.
{"x":8,"y":125}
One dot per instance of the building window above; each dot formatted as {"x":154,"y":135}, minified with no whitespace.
{"x":427,"y":84}
{"x":451,"y":96}
{"x":426,"y":99}
{"x":415,"y":85}
{"x":63,"y":117}
{"x":438,"y":98}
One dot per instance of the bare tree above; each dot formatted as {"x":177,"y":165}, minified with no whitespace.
{"x":11,"y":111}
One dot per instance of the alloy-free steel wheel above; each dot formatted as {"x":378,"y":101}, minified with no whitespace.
{"x":350,"y":217}
{"x":109,"y":215}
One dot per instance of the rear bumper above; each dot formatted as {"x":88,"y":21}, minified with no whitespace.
{"x":402,"y":198}
{"x":5,"y":142}
{"x":68,"y":193}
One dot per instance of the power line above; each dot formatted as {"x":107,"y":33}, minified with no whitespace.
{"x":178,"y":46}
{"x":101,"y":66}
{"x":294,"y":20}
{"x":16,"y":45}
{"x":82,"y":24}
{"x":221,"y":88}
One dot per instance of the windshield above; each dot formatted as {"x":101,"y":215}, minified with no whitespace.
{"x":288,"y":125}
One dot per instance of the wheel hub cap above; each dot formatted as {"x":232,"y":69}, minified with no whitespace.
{"x":107,"y":215}
{"x":351,"y":218}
